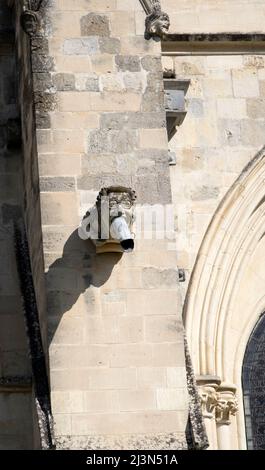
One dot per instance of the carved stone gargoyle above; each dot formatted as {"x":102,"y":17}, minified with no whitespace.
{"x":157,"y":22}
{"x":30,"y":18}
{"x":109,"y":223}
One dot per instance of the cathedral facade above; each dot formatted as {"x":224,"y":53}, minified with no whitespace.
{"x":132,"y":138}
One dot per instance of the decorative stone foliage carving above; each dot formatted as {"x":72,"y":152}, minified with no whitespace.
{"x":209,"y":400}
{"x":227,"y":405}
{"x":217,"y":401}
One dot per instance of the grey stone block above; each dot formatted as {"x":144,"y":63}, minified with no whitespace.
{"x":151,"y":63}
{"x":128,"y":63}
{"x":132,"y":120}
{"x":84,"y":46}
{"x":155,"y":82}
{"x":154,"y":188}
{"x":42,"y":81}
{"x":42,"y":63}
{"x":153,"y":102}
{"x":92,"y":83}
{"x":62,"y":183}
{"x":94,"y":25}
{"x":157,"y":278}
{"x":109,"y":45}
{"x":255,"y":108}
{"x":204,"y":192}
{"x":112,"y":141}
{"x":64,"y":81}
{"x":43,"y":120}
{"x":45,"y":102}
{"x":97,"y":182}
{"x":40,"y":45}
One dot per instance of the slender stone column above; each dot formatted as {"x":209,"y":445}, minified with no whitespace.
{"x":208,"y":386}
{"x":227,"y":405}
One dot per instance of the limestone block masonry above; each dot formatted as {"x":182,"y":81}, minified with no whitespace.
{"x":114,"y":328}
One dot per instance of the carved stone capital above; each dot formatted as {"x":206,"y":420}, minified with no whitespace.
{"x":157,"y":22}
{"x":227,"y":405}
{"x":207,"y":387}
{"x":209,"y":397}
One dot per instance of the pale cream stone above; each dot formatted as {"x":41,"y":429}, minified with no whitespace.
{"x":60,"y":165}
{"x":151,"y":377}
{"x":137,"y":422}
{"x":122,"y":23}
{"x":59,"y":208}
{"x":245,"y":83}
{"x":102,"y":401}
{"x":153,"y":138}
{"x":73,"y":64}
{"x":62,"y":424}
{"x":171,"y":399}
{"x":136,"y":400}
{"x":230,"y":108}
{"x":94,"y":5}
{"x":75,"y":120}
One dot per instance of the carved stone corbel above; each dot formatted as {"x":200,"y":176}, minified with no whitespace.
{"x":30,"y":18}
{"x":157,"y":22}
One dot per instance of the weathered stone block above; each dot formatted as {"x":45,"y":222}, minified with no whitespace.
{"x":134,"y":81}
{"x":204,"y":192}
{"x":229,"y":131}
{"x":164,"y":328}
{"x":42,"y":63}
{"x":64,"y":81}
{"x":158,"y":278}
{"x":84,"y":46}
{"x":60,"y":183}
{"x":94,"y":25}
{"x":43,"y":120}
{"x":109,"y":45}
{"x":132,"y":120}
{"x":255,"y":108}
{"x":128,"y":63}
{"x":151,"y":63}
{"x":45,"y":102}
{"x":42,"y":81}
{"x":153,"y":102}
{"x":113,"y":141}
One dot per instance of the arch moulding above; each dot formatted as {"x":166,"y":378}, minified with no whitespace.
{"x":225,"y":298}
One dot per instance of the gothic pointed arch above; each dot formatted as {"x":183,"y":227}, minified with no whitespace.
{"x":226,"y":294}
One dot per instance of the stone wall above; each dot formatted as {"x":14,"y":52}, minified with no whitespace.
{"x":212,"y":16}
{"x":115,"y":330}
{"x":15,"y":372}
{"x":223,"y":130}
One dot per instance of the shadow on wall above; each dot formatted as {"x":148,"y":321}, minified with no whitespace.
{"x":79,"y":269}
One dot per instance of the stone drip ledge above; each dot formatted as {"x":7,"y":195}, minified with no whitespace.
{"x":15,"y":384}
{"x":213,"y":42}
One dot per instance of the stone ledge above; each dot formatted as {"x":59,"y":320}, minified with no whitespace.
{"x":165,"y":441}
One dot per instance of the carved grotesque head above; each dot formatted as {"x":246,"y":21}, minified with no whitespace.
{"x":110,"y":220}
{"x":30,"y":22}
{"x":157,"y":23}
